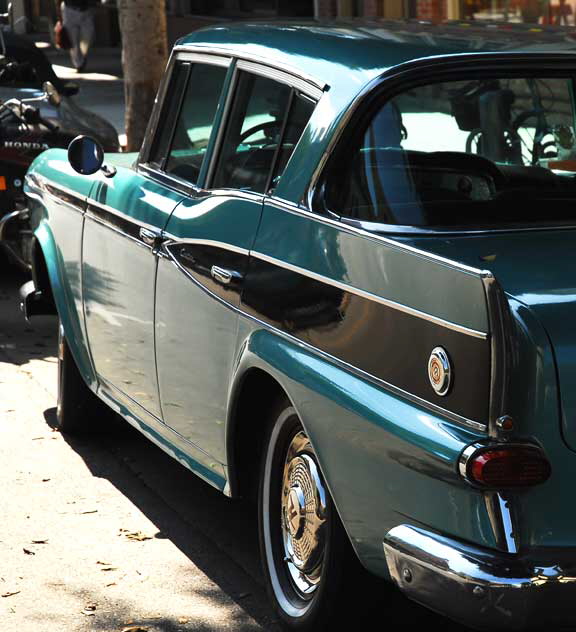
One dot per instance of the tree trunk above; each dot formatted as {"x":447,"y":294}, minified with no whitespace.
{"x":144,"y":53}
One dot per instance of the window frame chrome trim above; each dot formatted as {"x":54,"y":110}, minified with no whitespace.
{"x":280,"y":76}
{"x":168,"y":180}
{"x":257,"y":59}
{"x":216,"y":59}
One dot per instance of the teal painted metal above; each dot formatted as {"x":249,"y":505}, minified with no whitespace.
{"x":180,"y":450}
{"x":119,"y":275}
{"x":58,"y":231}
{"x":537,"y":270}
{"x":383,"y":458}
{"x":379,"y":267}
{"x":194,"y":368}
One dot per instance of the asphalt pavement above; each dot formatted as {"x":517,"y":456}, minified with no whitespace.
{"x":107,"y":533}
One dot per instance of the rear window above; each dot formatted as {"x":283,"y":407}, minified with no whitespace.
{"x":487,"y":152}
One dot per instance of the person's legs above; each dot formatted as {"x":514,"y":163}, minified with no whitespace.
{"x":86,"y":35}
{"x":72,"y":20}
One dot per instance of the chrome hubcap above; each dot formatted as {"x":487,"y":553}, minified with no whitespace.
{"x":303,"y":516}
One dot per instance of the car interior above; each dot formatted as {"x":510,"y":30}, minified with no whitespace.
{"x":460,"y":154}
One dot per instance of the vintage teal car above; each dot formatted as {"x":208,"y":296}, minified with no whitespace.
{"x":340,"y":276}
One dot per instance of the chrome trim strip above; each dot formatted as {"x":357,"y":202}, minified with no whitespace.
{"x":265,"y":61}
{"x":506,"y":513}
{"x":281,"y":76}
{"x":499,"y":320}
{"x":167,"y":179}
{"x":127,"y":218}
{"x":115,"y":229}
{"x":152,"y":127}
{"x":394,"y":390}
{"x":203,"y":58}
{"x":372,"y":297}
{"x":221,"y":131}
{"x":79,"y":207}
{"x":431,"y":231}
{"x":291,"y":207}
{"x":173,"y":240}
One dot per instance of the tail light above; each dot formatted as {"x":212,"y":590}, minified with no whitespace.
{"x":504,"y":466}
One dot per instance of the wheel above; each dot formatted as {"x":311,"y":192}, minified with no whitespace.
{"x":79,"y":410}
{"x":306,"y":556}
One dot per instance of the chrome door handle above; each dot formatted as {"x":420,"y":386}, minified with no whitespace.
{"x":149,"y":237}
{"x":224,"y":276}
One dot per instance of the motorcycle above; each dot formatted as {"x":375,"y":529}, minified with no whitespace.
{"x":28,"y":126}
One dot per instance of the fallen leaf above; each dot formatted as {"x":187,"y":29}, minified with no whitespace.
{"x":90,"y":511}
{"x":9,"y":594}
{"x":110,"y":584}
{"x":89,"y":610}
{"x":45,"y":480}
{"x":39,"y":541}
{"x":108,"y":568}
{"x":135,"y":628}
{"x":137,"y":535}
{"x":37,"y":438}
{"x":103,"y":563}
{"x":28,"y":552}
{"x":183,"y":620}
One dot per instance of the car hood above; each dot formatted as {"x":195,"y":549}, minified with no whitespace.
{"x":538,"y":269}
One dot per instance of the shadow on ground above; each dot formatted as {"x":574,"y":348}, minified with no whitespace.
{"x":20,"y":341}
{"x":218,"y":535}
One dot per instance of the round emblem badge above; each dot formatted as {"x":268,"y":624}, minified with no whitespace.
{"x":440,"y":371}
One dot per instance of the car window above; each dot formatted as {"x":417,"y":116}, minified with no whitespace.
{"x":300,"y":112}
{"x":168,"y":115}
{"x":253,"y":133}
{"x":195,"y":121}
{"x":490,"y":151}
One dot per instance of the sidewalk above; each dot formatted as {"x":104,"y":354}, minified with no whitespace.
{"x":101,"y":84}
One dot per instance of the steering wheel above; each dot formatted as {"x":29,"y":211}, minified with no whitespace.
{"x":258,"y":128}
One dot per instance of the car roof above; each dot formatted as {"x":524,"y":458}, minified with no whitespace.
{"x":343,"y":54}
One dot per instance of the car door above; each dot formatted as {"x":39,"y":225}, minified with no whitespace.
{"x":209,"y":237}
{"x":124,"y":222}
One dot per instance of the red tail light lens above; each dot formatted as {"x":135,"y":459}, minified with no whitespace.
{"x":508,"y":466}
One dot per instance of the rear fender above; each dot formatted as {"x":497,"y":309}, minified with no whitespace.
{"x":383,"y":458}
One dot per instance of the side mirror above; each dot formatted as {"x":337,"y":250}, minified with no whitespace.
{"x":85,"y":155}
{"x":54,"y":97}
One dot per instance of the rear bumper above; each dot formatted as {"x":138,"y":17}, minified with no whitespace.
{"x":486,"y":590}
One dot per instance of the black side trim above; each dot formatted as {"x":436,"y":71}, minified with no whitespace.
{"x":379,"y":340}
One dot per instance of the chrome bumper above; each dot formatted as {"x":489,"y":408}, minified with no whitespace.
{"x":485,"y":590}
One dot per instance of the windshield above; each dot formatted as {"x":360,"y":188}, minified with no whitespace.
{"x":463,"y":153}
